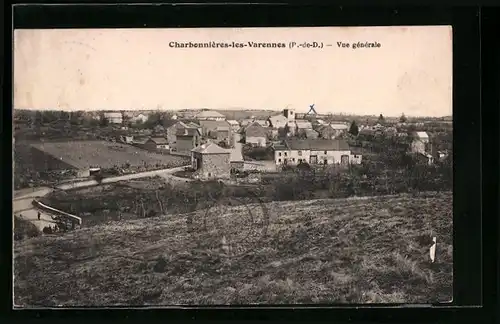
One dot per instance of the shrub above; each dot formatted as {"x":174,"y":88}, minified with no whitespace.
{"x":24,"y":229}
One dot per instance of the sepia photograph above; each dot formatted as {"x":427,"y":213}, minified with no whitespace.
{"x":232,"y":166}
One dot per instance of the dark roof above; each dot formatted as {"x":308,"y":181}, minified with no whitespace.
{"x":317,"y":145}
{"x":159,"y":140}
{"x":255,"y":130}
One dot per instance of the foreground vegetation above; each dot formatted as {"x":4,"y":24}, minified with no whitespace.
{"x":319,"y":251}
{"x":24,"y":229}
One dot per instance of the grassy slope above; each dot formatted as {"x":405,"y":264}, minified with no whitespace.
{"x":321,"y":251}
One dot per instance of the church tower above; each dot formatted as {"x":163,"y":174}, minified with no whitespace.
{"x":289,"y":114}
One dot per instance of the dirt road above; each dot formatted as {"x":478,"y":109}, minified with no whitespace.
{"x":23,"y":201}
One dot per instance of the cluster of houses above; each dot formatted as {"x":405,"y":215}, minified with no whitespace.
{"x":214,"y":143}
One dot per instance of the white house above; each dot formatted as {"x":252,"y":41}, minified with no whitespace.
{"x":141,"y":118}
{"x":114,"y":117}
{"x":318,"y":151}
{"x":419,"y":143}
{"x":278,"y":121}
{"x":234,"y":125}
{"x":256,"y":134}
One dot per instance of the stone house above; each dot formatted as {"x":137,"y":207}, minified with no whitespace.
{"x":187,"y":139}
{"x":314,"y":152}
{"x":234,"y":125}
{"x":211,"y":161}
{"x":420,"y":142}
{"x":255,"y":134}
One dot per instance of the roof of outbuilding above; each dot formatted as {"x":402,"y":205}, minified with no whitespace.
{"x":210,"y":148}
{"x":255,"y":130}
{"x":317,"y":145}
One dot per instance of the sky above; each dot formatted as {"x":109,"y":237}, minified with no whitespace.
{"x":134,"y":69}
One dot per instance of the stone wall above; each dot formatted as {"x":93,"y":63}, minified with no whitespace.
{"x":215,"y":166}
{"x":238,"y":165}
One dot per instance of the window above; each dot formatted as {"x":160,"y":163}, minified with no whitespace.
{"x":300,"y":153}
{"x":325,"y":161}
{"x":326,"y":152}
{"x":279,"y":154}
{"x":279,"y":160}
{"x":285,"y":154}
{"x":293,"y":159}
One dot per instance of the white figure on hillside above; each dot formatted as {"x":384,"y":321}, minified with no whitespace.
{"x":432,"y":250}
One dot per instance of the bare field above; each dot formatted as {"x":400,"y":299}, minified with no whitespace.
{"x":370,"y":250}
{"x":105,"y":154}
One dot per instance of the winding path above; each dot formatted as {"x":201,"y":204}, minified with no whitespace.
{"x":23,"y":200}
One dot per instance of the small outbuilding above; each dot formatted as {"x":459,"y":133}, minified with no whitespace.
{"x":210,"y":161}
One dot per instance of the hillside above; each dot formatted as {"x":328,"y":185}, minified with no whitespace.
{"x":316,"y":251}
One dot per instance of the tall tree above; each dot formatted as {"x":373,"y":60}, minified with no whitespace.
{"x":104,"y":121}
{"x":381,"y":118}
{"x":403,"y":118}
{"x":354,"y":129}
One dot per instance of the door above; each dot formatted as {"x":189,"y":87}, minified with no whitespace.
{"x":314,"y":159}
{"x":344,"y":159}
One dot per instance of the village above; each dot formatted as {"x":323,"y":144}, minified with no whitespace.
{"x":185,"y":177}
{"x":218,"y":147}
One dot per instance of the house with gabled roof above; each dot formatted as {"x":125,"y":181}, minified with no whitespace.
{"x":187,"y":139}
{"x":210,"y":161}
{"x":314,"y":152}
{"x":234,"y":124}
{"x":255,"y":134}
{"x":277,"y":121}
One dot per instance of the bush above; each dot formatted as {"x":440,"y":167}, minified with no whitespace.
{"x":24,"y":229}
{"x":258,"y":153}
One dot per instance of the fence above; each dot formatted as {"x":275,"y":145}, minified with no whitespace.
{"x":57,"y":212}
